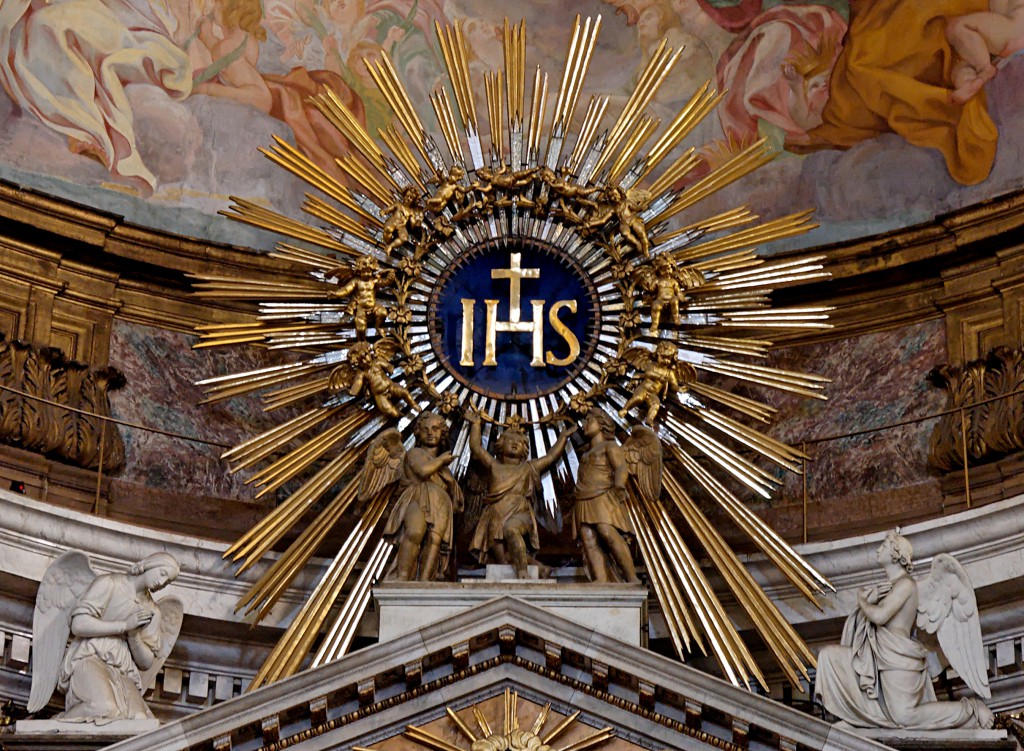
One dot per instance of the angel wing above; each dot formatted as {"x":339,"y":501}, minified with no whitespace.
{"x":690,"y":277}
{"x":341,"y":273}
{"x":685,"y":373}
{"x":171,"y":612}
{"x":385,"y":349}
{"x":644,"y":459}
{"x":947,"y":608}
{"x":342,"y":377}
{"x":638,"y":357}
{"x":647,"y":278}
{"x":64,"y":582}
{"x":383,"y":464}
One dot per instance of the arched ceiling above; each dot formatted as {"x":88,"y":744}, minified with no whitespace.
{"x":154,"y":109}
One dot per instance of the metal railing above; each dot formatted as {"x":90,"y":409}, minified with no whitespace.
{"x":805,"y":443}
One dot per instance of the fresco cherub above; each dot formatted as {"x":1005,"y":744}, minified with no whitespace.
{"x":232,"y":33}
{"x":980,"y":39}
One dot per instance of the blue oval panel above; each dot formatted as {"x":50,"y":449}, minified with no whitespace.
{"x":489,"y":273}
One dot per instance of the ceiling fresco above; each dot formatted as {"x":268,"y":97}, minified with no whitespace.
{"x":884,"y":114}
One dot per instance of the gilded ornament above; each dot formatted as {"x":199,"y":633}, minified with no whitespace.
{"x":401,"y":217}
{"x":660,"y":374}
{"x":557,"y":195}
{"x":367,"y":368}
{"x":426,"y":497}
{"x":598,"y":518}
{"x":507,"y":529}
{"x":666,"y":284}
{"x":360,"y":283}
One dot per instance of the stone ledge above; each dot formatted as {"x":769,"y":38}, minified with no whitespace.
{"x":946,"y":740}
{"x":406,"y":607}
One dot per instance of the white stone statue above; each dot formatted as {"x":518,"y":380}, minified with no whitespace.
{"x":119,"y":637}
{"x":878,"y":677}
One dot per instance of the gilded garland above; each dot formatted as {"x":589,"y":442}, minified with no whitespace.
{"x":495,"y":299}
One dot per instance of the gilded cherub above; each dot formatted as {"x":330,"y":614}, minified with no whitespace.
{"x":401,"y":216}
{"x":667,"y":283}
{"x":569,"y":194}
{"x":490,"y":180}
{"x":449,"y":188}
{"x":625,"y":207}
{"x":369,"y":366}
{"x":360,"y":283}
{"x":661,"y":373}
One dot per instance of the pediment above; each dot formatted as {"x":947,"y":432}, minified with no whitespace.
{"x":475,"y":659}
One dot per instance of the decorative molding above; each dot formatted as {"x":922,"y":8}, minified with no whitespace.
{"x":36,"y":384}
{"x":523,"y":668}
{"x":942,"y":268}
{"x":990,"y":430}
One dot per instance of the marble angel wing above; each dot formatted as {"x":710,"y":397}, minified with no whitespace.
{"x":644,"y":459}
{"x":64,"y":582}
{"x":947,"y":608}
{"x":383,"y":464}
{"x":171,"y":612}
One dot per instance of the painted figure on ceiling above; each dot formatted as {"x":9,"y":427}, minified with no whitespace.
{"x":68,"y":63}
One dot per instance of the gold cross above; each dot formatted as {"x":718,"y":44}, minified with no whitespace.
{"x":515,"y":274}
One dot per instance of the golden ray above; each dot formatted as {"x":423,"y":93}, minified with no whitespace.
{"x":654,"y":74}
{"x":397,"y":217}
{"x":248,"y":212}
{"x":754,"y":156}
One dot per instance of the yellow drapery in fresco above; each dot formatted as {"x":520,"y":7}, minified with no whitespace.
{"x":893,"y":75}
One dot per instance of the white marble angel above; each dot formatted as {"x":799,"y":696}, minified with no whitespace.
{"x":119,"y":637}
{"x":878,"y":677}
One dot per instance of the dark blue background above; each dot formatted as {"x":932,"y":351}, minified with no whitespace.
{"x":513,"y":374}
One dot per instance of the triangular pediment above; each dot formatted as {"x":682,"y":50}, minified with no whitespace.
{"x":476,"y":659}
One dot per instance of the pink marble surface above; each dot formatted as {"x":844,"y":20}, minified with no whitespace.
{"x":162,"y":369}
{"x":877,"y":380}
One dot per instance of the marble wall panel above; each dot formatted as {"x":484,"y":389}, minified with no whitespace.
{"x":877,"y":380}
{"x":162,"y":369}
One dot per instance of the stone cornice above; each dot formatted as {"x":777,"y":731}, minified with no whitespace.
{"x":521,"y":623}
{"x":878,"y":282}
{"x":33,"y":534}
{"x":988,"y":541}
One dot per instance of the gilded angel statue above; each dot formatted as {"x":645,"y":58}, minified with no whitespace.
{"x":359,"y":283}
{"x":368,"y":367}
{"x":119,"y":637}
{"x":878,"y":677}
{"x":427,"y":496}
{"x":403,"y":215}
{"x":660,"y":373}
{"x":624,"y":206}
{"x":598,"y":518}
{"x":666,"y":285}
